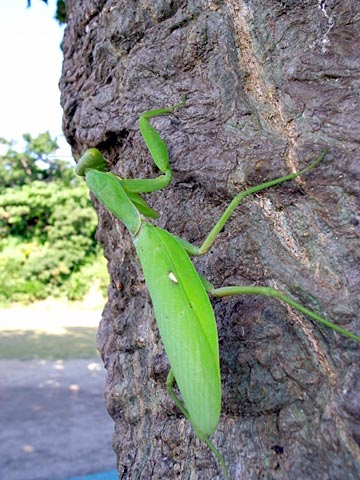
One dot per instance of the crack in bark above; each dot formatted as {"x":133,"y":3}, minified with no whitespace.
{"x":262,"y":96}
{"x":265,"y":100}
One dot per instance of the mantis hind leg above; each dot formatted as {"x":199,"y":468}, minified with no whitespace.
{"x":169,"y":385}
{"x":272,"y":292}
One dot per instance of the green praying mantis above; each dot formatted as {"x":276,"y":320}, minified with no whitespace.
{"x":180,"y":296}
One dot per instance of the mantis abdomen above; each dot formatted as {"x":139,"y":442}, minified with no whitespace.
{"x":186,"y":323}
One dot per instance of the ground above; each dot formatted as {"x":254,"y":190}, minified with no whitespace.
{"x":54,"y":422}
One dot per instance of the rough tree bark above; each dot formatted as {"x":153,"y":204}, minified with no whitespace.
{"x":269,"y":84}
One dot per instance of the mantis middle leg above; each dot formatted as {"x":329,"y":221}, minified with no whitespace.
{"x":210,"y":239}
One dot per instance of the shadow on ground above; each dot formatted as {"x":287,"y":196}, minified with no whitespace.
{"x":73,"y":342}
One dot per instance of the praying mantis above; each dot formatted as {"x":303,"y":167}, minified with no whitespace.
{"x":179,"y":295}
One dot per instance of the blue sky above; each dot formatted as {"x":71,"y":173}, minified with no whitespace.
{"x":30,"y":59}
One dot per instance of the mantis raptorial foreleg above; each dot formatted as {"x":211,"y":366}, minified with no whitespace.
{"x":159,"y":153}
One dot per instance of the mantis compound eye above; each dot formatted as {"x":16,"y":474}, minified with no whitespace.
{"x":91,"y":160}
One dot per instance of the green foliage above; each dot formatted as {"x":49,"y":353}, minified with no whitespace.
{"x":29,"y":272}
{"x":60,"y":13}
{"x":47,"y":227}
{"x":34,"y":163}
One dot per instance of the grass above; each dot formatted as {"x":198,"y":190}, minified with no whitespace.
{"x":49,"y":330}
{"x":75,"y":342}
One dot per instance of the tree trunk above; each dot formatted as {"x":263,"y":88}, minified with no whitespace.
{"x":269,"y":84}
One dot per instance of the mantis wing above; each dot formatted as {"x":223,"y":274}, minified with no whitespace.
{"x":186,"y":323}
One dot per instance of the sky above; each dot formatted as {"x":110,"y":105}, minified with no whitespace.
{"x":30,"y":62}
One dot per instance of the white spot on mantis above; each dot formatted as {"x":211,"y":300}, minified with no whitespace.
{"x":172,"y":277}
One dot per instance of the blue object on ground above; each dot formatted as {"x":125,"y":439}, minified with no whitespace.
{"x":109,"y":475}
